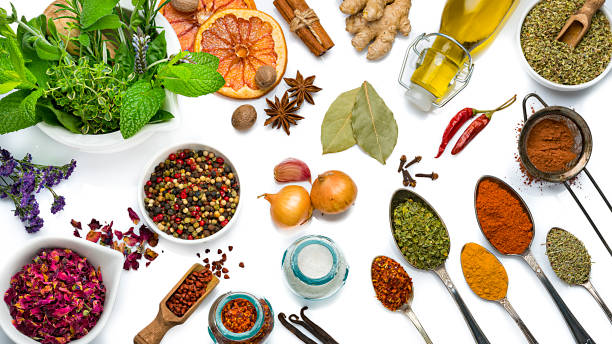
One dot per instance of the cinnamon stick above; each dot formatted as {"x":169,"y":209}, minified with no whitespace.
{"x":287,"y":9}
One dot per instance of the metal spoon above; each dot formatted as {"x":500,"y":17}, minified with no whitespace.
{"x":587,"y":285}
{"x":402,"y":195}
{"x":579,"y":333}
{"x":406,"y":309}
{"x":504,"y":300}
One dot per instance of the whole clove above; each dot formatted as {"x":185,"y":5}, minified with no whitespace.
{"x":432,"y":175}
{"x":403,"y":160}
{"x":408,"y":180}
{"x":414,"y":161}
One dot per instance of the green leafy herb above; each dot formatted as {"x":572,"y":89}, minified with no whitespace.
{"x":107,"y":22}
{"x":374,"y":127}
{"x":161,"y":116}
{"x":142,"y":101}
{"x":337,"y":128}
{"x":93,"y":10}
{"x":17,"y":110}
{"x":190,"y":80}
{"x":568,"y":256}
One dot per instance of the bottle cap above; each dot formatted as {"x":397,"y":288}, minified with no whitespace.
{"x":420,"y":97}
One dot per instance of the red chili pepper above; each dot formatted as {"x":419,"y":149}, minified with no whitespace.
{"x":461,"y":118}
{"x":476,"y":127}
{"x":453,"y":126}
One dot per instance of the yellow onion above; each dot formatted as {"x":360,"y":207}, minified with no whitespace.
{"x":333,"y":192}
{"x":290,"y":207}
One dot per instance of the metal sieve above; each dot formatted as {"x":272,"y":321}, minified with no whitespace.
{"x":583,"y":147}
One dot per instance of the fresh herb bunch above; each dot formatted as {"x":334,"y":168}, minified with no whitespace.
{"x":94,"y":68}
{"x":21,"y":180}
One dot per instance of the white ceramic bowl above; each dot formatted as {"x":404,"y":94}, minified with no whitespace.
{"x":109,"y":261}
{"x":545,"y":82}
{"x":114,"y":142}
{"x":150,"y":167}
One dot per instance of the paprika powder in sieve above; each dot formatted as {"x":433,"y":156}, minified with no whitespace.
{"x":550,"y":146}
{"x":502,"y":218}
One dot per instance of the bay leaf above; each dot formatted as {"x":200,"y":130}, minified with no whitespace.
{"x":373,"y":124}
{"x":337,"y":130}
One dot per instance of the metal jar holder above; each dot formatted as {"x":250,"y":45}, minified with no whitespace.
{"x":583,"y":148}
{"x":414,"y":58}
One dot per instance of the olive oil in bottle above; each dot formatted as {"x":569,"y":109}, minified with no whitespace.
{"x":471,"y":23}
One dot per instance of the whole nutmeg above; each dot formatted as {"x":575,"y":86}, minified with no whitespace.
{"x":185,"y":6}
{"x":265,"y":77}
{"x":244,"y":117}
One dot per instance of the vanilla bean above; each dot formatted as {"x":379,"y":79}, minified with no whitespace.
{"x":294,"y":330}
{"x":320,"y":333}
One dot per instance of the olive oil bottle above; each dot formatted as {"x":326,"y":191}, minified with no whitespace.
{"x":472,"y":24}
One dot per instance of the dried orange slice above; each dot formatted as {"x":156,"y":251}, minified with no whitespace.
{"x":243,"y":40}
{"x":186,"y":25}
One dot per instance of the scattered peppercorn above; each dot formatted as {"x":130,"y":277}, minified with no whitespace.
{"x":192,"y":194}
{"x":188,"y":293}
{"x":241,"y":265}
{"x":230,"y":248}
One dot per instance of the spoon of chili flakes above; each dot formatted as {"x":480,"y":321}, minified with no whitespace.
{"x":394,"y":290}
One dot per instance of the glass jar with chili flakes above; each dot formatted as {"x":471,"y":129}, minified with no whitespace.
{"x":239,"y":317}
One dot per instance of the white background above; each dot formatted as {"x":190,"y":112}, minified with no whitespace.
{"x":103,"y":186}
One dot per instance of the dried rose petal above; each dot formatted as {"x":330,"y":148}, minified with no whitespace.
{"x":76,"y":224}
{"x":56,"y":299}
{"x":94,"y":224}
{"x":133,"y":216}
{"x":93,"y":236}
{"x":150,"y":254}
{"x":76,"y":233}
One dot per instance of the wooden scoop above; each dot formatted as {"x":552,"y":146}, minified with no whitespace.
{"x":165,"y":319}
{"x":578,"y":24}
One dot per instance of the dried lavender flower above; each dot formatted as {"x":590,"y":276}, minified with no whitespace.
{"x":21,"y":180}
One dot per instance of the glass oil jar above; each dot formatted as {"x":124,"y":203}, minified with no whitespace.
{"x":314,"y":267}
{"x":258,"y":333}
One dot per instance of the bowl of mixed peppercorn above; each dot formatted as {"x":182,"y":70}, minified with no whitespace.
{"x":190,"y":194}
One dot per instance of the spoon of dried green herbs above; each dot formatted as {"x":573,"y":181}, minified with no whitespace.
{"x":571,"y":261}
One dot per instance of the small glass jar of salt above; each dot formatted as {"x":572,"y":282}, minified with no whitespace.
{"x":314,"y":267}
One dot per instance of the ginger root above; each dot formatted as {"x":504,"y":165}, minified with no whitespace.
{"x":372,"y":9}
{"x":381,"y":31}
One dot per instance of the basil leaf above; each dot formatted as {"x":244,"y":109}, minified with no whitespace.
{"x":161,"y":116}
{"x":140,"y":103}
{"x":17,"y":110}
{"x":108,"y":22}
{"x":190,"y":80}
{"x":53,"y":116}
{"x":157,"y":49}
{"x":93,"y":10}
{"x":374,"y":127}
{"x":46,"y":51}
{"x":337,"y":128}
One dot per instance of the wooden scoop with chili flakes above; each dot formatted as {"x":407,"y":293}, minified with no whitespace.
{"x":179,"y":304}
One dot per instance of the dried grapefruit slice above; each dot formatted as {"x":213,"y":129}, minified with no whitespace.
{"x":186,"y":25}
{"x":243,"y":40}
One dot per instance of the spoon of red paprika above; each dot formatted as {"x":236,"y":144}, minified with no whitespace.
{"x":507,"y":223}
{"x":394,"y":290}
{"x":475,"y":127}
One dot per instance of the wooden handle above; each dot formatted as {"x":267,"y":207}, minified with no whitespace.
{"x":590,"y":7}
{"x":154,"y":332}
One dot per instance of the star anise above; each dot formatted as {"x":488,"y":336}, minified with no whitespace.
{"x":282,"y":112}
{"x":302,"y":89}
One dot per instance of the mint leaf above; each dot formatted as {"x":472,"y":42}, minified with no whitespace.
{"x":108,"y":22}
{"x":140,"y":104}
{"x":161,"y":116}
{"x":205,"y":59}
{"x":13,"y":72}
{"x":17,"y":110}
{"x":53,"y":116}
{"x":190,"y":80}
{"x":93,"y":10}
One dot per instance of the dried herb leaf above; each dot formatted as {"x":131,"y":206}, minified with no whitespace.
{"x":337,"y":130}
{"x":374,"y":127}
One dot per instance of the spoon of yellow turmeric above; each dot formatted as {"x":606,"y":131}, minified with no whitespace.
{"x":488,"y":279}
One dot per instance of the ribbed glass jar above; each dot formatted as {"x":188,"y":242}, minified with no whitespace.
{"x":258,"y":333}
{"x":314,"y":267}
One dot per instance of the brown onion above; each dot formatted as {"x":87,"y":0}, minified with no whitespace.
{"x":333,"y":192}
{"x":290,"y":207}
